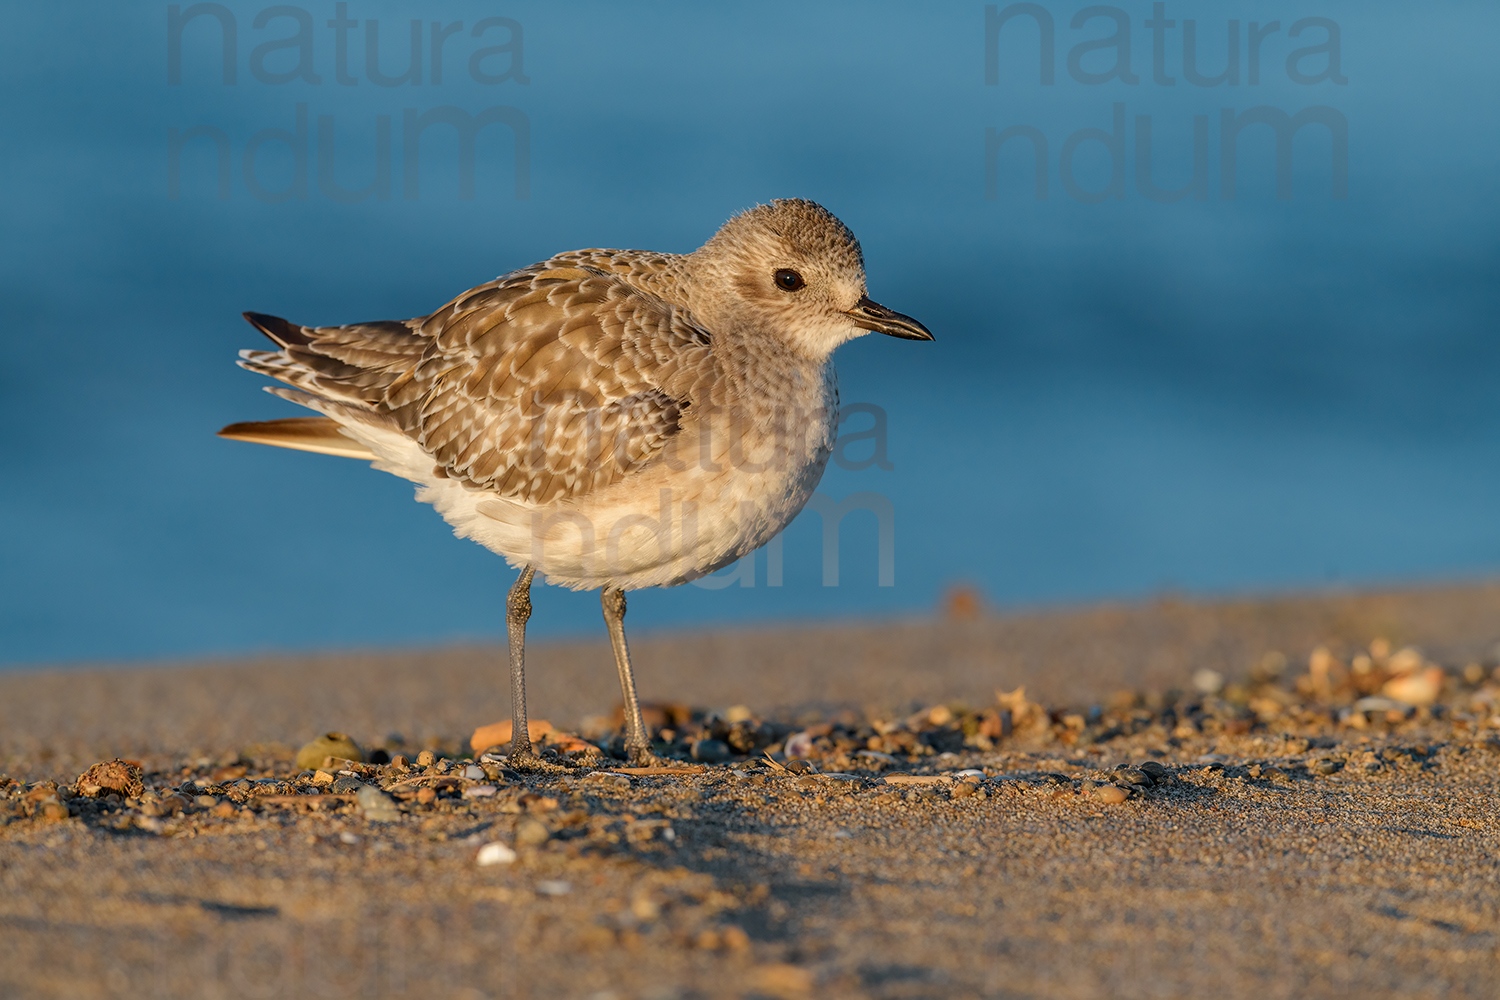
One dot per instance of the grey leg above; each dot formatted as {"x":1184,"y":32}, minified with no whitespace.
{"x":637,"y":744}
{"x":517,"y":612}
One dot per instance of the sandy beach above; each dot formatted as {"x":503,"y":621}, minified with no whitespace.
{"x":1286,"y":797}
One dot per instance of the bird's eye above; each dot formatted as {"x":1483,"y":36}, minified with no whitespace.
{"x":788,"y":280}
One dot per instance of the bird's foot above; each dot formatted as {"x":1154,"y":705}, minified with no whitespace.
{"x":530,"y":762}
{"x":645,"y":757}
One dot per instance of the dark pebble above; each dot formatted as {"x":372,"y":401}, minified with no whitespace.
{"x":711,"y":751}
{"x":345,"y":784}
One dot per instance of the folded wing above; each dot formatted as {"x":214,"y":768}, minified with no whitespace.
{"x":544,"y":385}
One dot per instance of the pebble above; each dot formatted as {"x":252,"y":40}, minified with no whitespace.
{"x":1420,"y":687}
{"x":377,"y":806}
{"x":711,"y":751}
{"x":475,"y":773}
{"x":480,"y":792}
{"x":426,"y":796}
{"x":346,"y":784}
{"x":554,"y":887}
{"x":532,"y":833}
{"x":1112,"y":794}
{"x":1155,"y":769}
{"x":426,"y":758}
{"x":337,"y":745}
{"x":1133,"y":776}
{"x":495,"y":854}
{"x":619,"y":782}
{"x":1326,"y":765}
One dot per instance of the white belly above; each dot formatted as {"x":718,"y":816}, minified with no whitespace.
{"x":726,"y":488}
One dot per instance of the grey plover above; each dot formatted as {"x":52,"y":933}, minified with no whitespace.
{"x":612,"y":419}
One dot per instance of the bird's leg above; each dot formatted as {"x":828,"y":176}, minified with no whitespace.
{"x":517,"y":611}
{"x":637,"y":743}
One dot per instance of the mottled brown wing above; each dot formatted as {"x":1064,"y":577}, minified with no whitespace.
{"x":552,"y":384}
{"x":546,"y":384}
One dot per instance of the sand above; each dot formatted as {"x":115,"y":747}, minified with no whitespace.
{"x":928,"y":839}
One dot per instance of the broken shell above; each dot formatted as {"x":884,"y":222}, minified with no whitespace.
{"x":312,"y":755}
{"x":123,"y":777}
{"x":499,"y":733}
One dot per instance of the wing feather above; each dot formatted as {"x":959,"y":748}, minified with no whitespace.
{"x":544,"y":385}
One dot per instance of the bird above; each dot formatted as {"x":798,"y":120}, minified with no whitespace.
{"x":610,"y":419}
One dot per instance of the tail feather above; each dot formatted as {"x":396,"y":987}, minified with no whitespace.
{"x":316,"y":434}
{"x":281,"y":332}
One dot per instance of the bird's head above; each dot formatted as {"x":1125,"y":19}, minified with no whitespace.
{"x":793,"y":270}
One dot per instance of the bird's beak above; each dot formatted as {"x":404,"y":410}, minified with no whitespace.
{"x":876,"y":317}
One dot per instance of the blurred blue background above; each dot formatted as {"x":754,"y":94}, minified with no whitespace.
{"x":1216,"y":394}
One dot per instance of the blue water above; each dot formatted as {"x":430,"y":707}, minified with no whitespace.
{"x":1217,"y":395}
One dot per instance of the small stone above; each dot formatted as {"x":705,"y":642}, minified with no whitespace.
{"x":480,"y":792}
{"x":346,"y":784}
{"x":322,"y":777}
{"x":224,"y":810}
{"x":474,"y":772}
{"x":711,"y":751}
{"x":205,"y":801}
{"x":1133,"y":776}
{"x":1111,"y":794}
{"x":495,"y":854}
{"x":708,"y":939}
{"x":1208,"y":681}
{"x":1326,"y":765}
{"x":53,"y":812}
{"x":964,"y":789}
{"x":426,"y":758}
{"x":554,"y":887}
{"x":781,"y":980}
{"x":426,"y":796}
{"x":1155,"y":769}
{"x":532,"y":832}
{"x":377,"y":806}
{"x":336,"y":745}
{"x":734,"y":938}
{"x":1419,"y":687}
